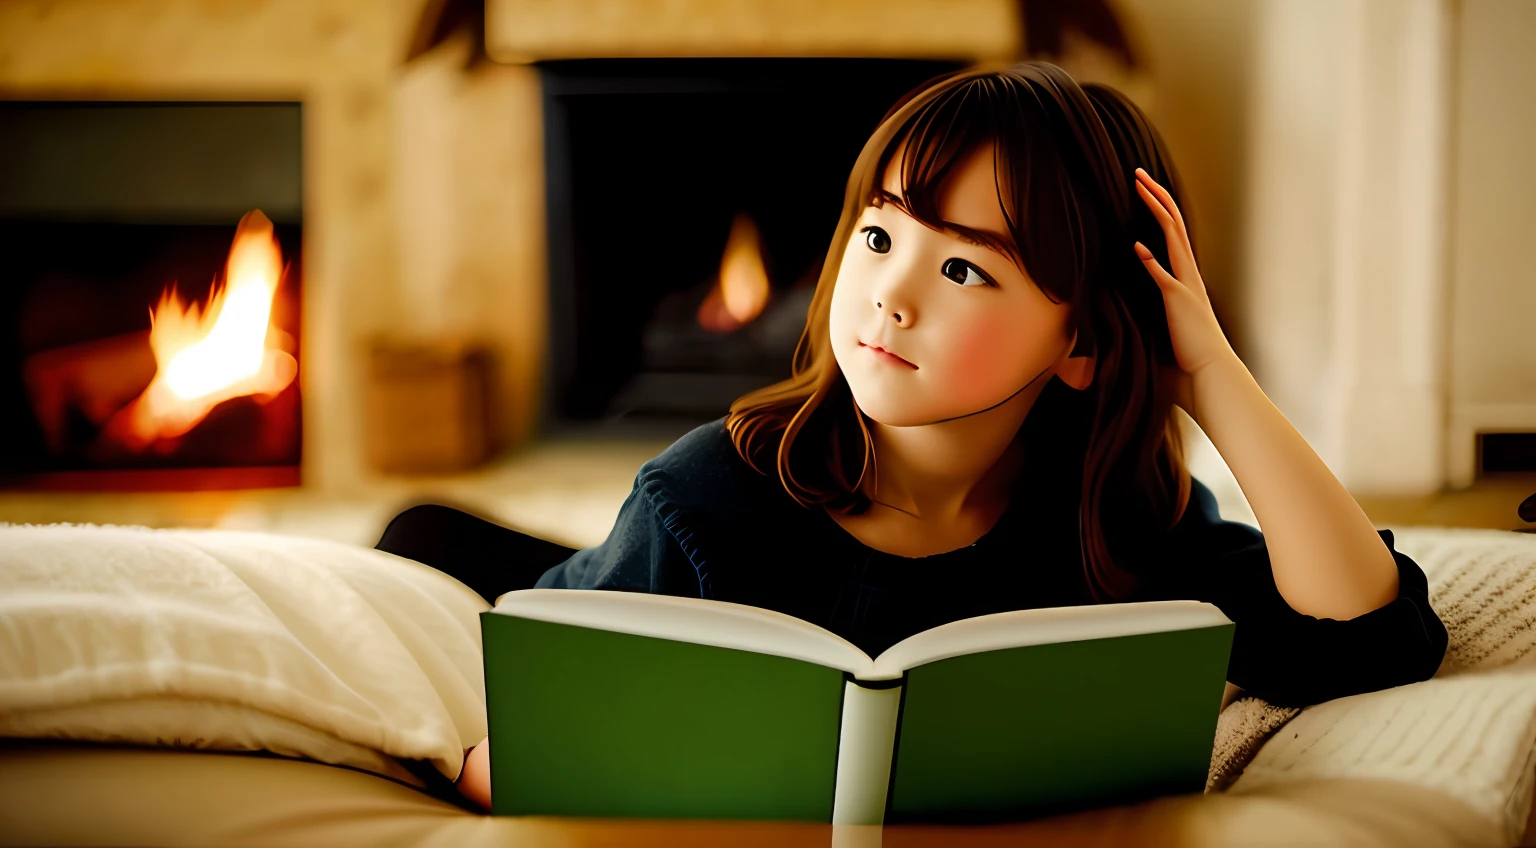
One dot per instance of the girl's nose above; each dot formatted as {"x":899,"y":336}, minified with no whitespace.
{"x":898,"y":288}
{"x":896,"y":314}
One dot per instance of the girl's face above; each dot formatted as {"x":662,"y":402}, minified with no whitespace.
{"x":962,"y":326}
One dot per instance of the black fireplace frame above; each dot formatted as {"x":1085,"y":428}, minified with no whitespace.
{"x":566,"y":81}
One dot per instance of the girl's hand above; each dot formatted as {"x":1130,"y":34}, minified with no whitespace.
{"x":474,"y":781}
{"x":1197,"y":337}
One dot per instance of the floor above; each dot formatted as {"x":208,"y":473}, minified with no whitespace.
{"x":570,"y":492}
{"x":1490,"y":502}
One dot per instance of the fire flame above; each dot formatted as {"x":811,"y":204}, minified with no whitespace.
{"x":226,"y":350}
{"x":743,"y":288}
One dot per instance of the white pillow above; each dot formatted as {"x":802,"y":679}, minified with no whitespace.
{"x":1471,"y":730}
{"x":237,"y":641}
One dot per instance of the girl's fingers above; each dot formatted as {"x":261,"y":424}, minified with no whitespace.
{"x":1170,"y":229}
{"x":1155,"y":268}
{"x":1160,"y":212}
{"x":1164,"y":198}
{"x":1181,"y":254}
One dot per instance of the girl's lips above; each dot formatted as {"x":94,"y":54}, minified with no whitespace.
{"x":886,"y":356}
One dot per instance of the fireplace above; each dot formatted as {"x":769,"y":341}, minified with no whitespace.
{"x":149,"y":312}
{"x":690,"y":204}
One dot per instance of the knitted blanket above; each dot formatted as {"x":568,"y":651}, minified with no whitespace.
{"x":1469,"y":731}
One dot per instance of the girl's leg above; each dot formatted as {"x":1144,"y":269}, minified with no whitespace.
{"x":483,"y":555}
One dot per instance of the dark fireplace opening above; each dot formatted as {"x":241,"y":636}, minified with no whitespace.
{"x":119,"y":217}
{"x":690,"y":205}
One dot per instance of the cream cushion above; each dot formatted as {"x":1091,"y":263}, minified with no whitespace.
{"x":235,"y":641}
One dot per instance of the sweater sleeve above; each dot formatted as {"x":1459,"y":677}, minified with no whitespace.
{"x":641,"y":554}
{"x":1284,"y":656}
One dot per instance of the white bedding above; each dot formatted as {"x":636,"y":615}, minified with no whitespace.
{"x":242,"y":641}
{"x":237,"y":641}
{"x":1471,"y":730}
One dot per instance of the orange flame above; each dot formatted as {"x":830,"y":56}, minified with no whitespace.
{"x":743,"y":289}
{"x":229,"y":349}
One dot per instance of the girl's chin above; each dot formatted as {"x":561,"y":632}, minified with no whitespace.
{"x":892,"y":406}
{"x":893,"y":412}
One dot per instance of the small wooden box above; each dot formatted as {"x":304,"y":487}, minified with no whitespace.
{"x":428,"y":406}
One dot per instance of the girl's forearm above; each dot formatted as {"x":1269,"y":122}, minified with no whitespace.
{"x":1328,"y":560}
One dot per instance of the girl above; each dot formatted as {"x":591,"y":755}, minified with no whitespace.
{"x":980,"y":420}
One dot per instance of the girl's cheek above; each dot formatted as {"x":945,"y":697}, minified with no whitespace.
{"x":847,"y":294}
{"x":990,"y":354}
{"x":841,"y":323}
{"x":842,"y":294}
{"x":987,"y":339}
{"x":852,"y":275}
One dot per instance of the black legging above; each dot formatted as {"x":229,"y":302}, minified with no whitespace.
{"x":481,"y":554}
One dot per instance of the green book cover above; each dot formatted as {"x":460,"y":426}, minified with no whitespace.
{"x":633,"y":705}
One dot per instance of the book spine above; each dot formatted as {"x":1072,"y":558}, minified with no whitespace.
{"x":866,"y":742}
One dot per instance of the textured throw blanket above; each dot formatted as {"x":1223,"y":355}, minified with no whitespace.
{"x":1469,"y":731}
{"x":238,"y":641}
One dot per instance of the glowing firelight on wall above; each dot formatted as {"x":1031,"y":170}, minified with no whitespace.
{"x":227,"y":350}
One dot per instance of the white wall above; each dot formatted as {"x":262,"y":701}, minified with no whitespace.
{"x":1493,"y":226}
{"x":1344,"y":261}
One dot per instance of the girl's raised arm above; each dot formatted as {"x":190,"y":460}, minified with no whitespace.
{"x":1328,"y":560}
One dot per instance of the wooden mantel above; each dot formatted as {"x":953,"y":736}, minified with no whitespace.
{"x":519,"y":31}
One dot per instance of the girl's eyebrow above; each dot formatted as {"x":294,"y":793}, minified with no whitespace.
{"x":995,"y":242}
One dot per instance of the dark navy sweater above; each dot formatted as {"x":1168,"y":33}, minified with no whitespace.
{"x":700,"y":522}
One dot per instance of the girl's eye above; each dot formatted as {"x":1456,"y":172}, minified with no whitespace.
{"x":965,"y":273}
{"x":877,"y":239}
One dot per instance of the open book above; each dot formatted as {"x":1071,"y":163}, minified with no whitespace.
{"x":606,"y":703}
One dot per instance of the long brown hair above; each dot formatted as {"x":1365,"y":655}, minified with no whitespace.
{"x":1065,"y":161}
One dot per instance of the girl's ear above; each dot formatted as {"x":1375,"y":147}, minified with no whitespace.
{"x":1077,"y":372}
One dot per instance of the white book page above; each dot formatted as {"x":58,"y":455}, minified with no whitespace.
{"x":1019,"y":628}
{"x":703,"y":622}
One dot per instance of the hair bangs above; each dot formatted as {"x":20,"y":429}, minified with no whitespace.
{"x":1005,"y":114}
